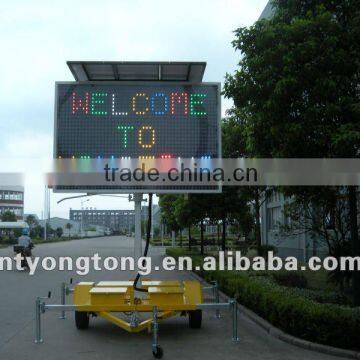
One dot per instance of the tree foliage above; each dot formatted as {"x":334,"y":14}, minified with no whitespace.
{"x":167,"y":203}
{"x":296,"y":90}
{"x":296,"y":93}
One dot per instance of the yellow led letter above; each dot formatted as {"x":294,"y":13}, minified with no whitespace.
{"x":152,"y":137}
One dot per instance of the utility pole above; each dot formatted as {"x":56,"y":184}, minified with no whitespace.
{"x":82,"y":215}
{"x":137,"y":198}
{"x":46,"y":210}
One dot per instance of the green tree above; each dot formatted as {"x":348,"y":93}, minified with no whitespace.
{"x":156,"y":231}
{"x":167,"y":203}
{"x":34,"y":226}
{"x":296,"y":89}
{"x":37,"y":232}
{"x":32,"y":222}
{"x":192,"y":210}
{"x":8,"y":216}
{"x":184,"y":215}
{"x":69,"y":226}
{"x":324,"y":216}
{"x":233,"y":203}
{"x":59,"y":232}
{"x":234,"y":136}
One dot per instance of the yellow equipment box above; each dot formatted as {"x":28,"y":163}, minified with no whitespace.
{"x":108,"y":296}
{"x":170,"y":294}
{"x":118,"y":296}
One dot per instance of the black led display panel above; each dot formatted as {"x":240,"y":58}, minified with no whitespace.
{"x":116,"y":120}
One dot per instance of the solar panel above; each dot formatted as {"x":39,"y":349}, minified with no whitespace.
{"x":137,"y":71}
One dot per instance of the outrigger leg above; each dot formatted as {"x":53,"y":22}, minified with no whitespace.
{"x":156,"y":349}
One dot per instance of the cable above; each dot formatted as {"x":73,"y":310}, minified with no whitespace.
{"x":148,"y":234}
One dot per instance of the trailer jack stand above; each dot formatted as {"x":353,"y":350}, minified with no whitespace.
{"x":156,"y":349}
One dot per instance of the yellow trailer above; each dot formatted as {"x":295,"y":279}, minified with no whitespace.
{"x":162,"y":299}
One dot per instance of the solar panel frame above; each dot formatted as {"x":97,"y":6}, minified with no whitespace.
{"x":137,"y":70}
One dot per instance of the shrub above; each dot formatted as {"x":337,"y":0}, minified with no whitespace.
{"x":295,"y":314}
{"x":290,"y":279}
{"x":308,"y":314}
{"x":324,"y":296}
{"x":251,"y":253}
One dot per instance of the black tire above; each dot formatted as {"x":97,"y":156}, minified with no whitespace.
{"x":81,"y":320}
{"x":158,"y":353}
{"x":195,"y":318}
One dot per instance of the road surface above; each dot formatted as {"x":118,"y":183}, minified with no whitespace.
{"x":105,"y":341}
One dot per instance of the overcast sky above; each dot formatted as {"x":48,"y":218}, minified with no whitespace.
{"x":38,"y":37}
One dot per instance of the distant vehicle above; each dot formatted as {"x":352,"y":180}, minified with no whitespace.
{"x":25,"y":252}
{"x":107,"y":232}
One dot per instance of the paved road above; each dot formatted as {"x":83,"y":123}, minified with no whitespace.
{"x":104,"y":340}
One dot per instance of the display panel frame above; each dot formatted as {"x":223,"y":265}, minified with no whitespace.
{"x":159,"y":189}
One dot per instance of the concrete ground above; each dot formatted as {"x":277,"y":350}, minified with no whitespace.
{"x":105,"y":341}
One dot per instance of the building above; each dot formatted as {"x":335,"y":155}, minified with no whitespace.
{"x":267,"y":12}
{"x":75,"y":229}
{"x":115,"y":220}
{"x":57,"y":222}
{"x":301,"y":245}
{"x":12,"y":199}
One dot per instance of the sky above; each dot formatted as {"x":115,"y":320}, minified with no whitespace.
{"x":38,"y":37}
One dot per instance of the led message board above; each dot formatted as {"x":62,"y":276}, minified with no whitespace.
{"x":137,"y":120}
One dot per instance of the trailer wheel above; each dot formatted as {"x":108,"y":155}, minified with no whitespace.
{"x":81,"y":320}
{"x":195,"y":317}
{"x":158,"y":353}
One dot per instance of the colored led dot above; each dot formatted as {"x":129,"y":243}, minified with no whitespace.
{"x":79,"y":103}
{"x":134,"y":104}
{"x":116,"y":113}
{"x":125,"y":129}
{"x":98,"y":99}
{"x":165,"y":102}
{"x":196,"y":100}
{"x":177,"y":99}
{"x":152,"y":136}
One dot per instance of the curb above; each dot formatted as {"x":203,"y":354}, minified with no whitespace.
{"x":281,"y":335}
